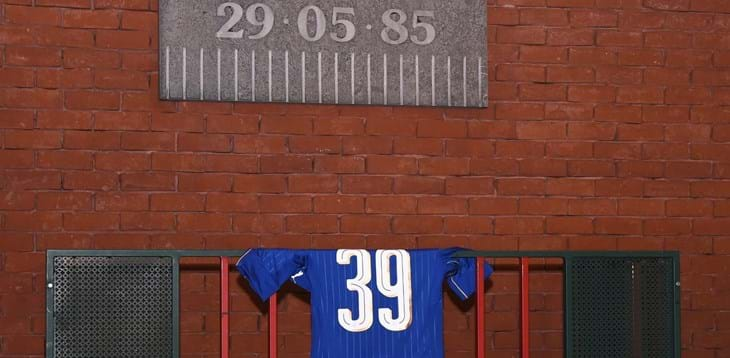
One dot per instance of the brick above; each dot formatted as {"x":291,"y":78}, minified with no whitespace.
{"x":148,"y":141}
{"x":33,"y":56}
{"x":116,"y":79}
{"x":145,"y":221}
{"x":320,"y":224}
{"x":231,"y":202}
{"x":599,"y":94}
{"x":468,"y":225}
{"x":146,"y":62}
{"x":543,"y":54}
{"x":239,"y":124}
{"x":90,"y":181}
{"x":339,"y":204}
{"x":620,"y":75}
{"x":520,"y":111}
{"x":286,"y":125}
{"x":441,"y":129}
{"x":138,"y":20}
{"x":570,"y":37}
{"x":391,"y":165}
{"x":641,"y":57}
{"x":339,"y":126}
{"x":286,"y":164}
{"x":91,"y":19}
{"x":391,"y":205}
{"x":65,"y":160}
{"x":121,"y":161}
{"x":520,"y":186}
{"x":259,"y":183}
{"x":77,"y":57}
{"x":116,"y":201}
{"x":231,"y":163}
{"x":204,"y":182}
{"x":591,"y":56}
{"x":29,"y":98}
{"x":619,"y":39}
{"x":618,"y":226}
{"x":569,"y":225}
{"x":364,"y":224}
{"x":259,"y":145}
{"x":459,"y":186}
{"x":148,"y":182}
{"x":573,"y":74}
{"x":521,"y":35}
{"x":91,"y":140}
{"x":443,"y":166}
{"x":367,"y":145}
{"x":542,"y":167}
{"x":204,"y":223}
{"x":64,"y":201}
{"x":17,"y":159}
{"x":285,"y":204}
{"x":90,"y":221}
{"x":32,"y":15}
{"x":591,"y":168}
{"x":519,"y":225}
{"x":313,"y":184}
{"x":543,"y":206}
{"x":519,"y":72}
{"x":417,"y":224}
{"x":64,"y":37}
{"x":177,"y":202}
{"x":545,"y":17}
{"x":182,"y":122}
{"x":123,"y":39}
{"x":91,"y":100}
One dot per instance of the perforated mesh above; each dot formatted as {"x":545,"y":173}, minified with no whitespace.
{"x":115,"y":307}
{"x":657,"y":317}
{"x":622,"y":307}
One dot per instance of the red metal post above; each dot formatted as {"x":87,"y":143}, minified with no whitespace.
{"x":525,"y":306}
{"x":224,"y":307}
{"x":480,"y":307}
{"x":273,"y":313}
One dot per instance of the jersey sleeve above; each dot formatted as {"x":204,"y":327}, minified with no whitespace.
{"x":460,"y":273}
{"x":267,"y":269}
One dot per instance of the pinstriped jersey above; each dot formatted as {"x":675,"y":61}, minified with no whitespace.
{"x":368,"y":303}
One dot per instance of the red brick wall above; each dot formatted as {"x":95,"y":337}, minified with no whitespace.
{"x":608,"y":128}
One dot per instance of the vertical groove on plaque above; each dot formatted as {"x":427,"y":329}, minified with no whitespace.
{"x":270,"y":69}
{"x":319,"y":75}
{"x":418,"y":90}
{"x":185,"y":74}
{"x":167,"y":72}
{"x":218,"y":72}
{"x":304,"y":77}
{"x":202,"y":80}
{"x":400,"y":81}
{"x":385,"y":78}
{"x":352,"y":77}
{"x":448,"y":80}
{"x":286,"y":76}
{"x":479,"y":82}
{"x":235,"y":74}
{"x":337,"y":82}
{"x":369,"y":83}
{"x":253,"y":76}
{"x":464,"y":79}
{"x":433,"y":81}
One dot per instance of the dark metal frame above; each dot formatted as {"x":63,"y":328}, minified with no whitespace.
{"x":176,"y":255}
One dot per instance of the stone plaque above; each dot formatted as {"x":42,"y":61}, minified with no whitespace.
{"x":380,"y":52}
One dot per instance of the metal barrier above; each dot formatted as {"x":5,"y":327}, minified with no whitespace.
{"x":644,"y":286}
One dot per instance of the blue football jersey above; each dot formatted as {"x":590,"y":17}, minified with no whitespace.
{"x":368,"y":303}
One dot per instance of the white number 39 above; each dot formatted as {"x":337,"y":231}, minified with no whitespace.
{"x":401,"y":290}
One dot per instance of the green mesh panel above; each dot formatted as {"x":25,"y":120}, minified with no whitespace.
{"x":622,"y":307}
